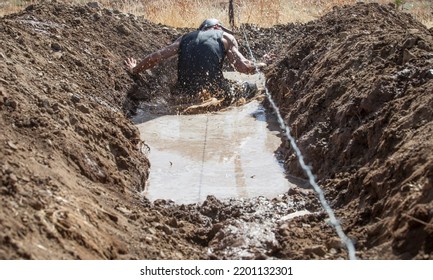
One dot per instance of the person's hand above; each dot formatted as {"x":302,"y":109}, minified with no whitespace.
{"x":130,"y":64}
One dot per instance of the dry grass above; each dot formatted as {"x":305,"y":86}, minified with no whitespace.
{"x":190,"y":13}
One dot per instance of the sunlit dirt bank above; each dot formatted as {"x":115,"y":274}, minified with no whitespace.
{"x":355,"y":87}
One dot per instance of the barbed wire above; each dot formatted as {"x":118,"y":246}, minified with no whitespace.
{"x":307,"y":169}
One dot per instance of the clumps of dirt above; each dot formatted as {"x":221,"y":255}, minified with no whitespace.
{"x":355,"y":87}
{"x":71,"y":163}
{"x":252,"y":228}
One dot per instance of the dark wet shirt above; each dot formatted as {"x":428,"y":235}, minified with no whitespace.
{"x":201,"y":55}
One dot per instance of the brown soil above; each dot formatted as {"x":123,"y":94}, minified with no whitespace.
{"x":355,"y":87}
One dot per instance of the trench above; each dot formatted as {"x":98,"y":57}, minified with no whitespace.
{"x":231,"y":155}
{"x":227,"y":154}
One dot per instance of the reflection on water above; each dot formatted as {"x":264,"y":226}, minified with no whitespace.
{"x":225,"y":154}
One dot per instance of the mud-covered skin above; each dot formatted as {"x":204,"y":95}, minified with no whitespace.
{"x":355,"y":87}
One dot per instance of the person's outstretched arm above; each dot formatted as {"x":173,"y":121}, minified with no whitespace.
{"x":152,"y":59}
{"x":239,"y":62}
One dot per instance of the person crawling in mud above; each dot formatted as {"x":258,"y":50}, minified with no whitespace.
{"x":201,"y":54}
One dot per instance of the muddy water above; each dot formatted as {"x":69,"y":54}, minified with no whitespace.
{"x":228,"y":154}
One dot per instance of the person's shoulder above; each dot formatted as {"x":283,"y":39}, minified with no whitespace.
{"x":228,"y":35}
{"x":230,"y":39}
{"x":192,"y":32}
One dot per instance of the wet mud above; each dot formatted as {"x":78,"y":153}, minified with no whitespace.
{"x":229,"y":154}
{"x":355,"y":86}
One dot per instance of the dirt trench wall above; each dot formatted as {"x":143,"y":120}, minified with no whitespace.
{"x":356,"y":88}
{"x":71,"y":163}
{"x":74,"y":57}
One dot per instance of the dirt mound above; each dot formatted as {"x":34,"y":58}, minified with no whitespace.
{"x":355,"y":86}
{"x":356,"y":89}
{"x":71,"y":162}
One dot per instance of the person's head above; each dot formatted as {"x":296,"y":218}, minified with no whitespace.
{"x":213,"y":23}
